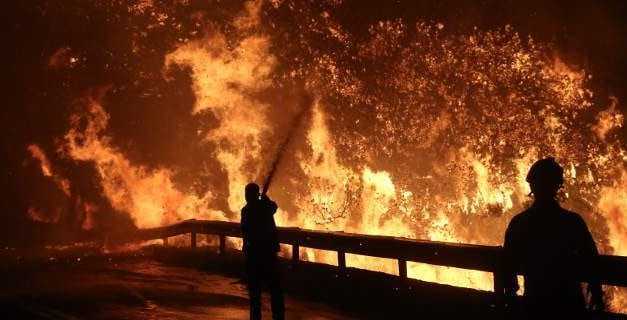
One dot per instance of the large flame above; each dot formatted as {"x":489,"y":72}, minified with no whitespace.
{"x":223,"y":81}
{"x":148,"y":195}
{"x":414,"y":132}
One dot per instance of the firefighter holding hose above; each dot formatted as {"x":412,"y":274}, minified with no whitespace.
{"x":260,"y":249}
{"x":261,"y":243}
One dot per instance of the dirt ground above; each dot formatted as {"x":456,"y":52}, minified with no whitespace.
{"x":135,"y":288}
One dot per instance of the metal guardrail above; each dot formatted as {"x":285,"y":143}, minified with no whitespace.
{"x":612,"y":269}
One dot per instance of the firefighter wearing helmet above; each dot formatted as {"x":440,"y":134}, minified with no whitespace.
{"x":552,"y":248}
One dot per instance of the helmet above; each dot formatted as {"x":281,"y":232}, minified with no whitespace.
{"x":252,"y":188}
{"x":251,"y":192}
{"x":546,"y":171}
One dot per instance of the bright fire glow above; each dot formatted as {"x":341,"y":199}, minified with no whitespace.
{"x":413,"y":133}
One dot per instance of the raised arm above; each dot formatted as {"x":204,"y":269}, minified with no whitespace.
{"x":269,"y":204}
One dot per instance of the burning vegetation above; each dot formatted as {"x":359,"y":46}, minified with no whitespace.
{"x":415,"y":130}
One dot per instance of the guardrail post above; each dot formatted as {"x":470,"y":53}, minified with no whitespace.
{"x":402,"y":268}
{"x":499,"y":288}
{"x":295,"y":254}
{"x":193,"y":239}
{"x":165,"y":241}
{"x":222,"y":244}
{"x":341,"y":260}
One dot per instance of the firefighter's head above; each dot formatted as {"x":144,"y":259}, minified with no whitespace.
{"x":545,"y":178}
{"x":251,"y":192}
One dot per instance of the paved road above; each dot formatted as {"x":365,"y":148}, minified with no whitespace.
{"x":138,"y":289}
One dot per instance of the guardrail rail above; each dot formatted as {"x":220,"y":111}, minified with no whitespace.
{"x":612,"y":269}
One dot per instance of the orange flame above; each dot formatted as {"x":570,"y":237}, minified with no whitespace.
{"x":148,"y":195}
{"x":455,"y":122}
{"x":46,"y":168}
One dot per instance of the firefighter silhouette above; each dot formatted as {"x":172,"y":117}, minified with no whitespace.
{"x":553,"y":248}
{"x":260,"y":249}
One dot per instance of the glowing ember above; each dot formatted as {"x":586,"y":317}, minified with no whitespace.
{"x":416,"y":131}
